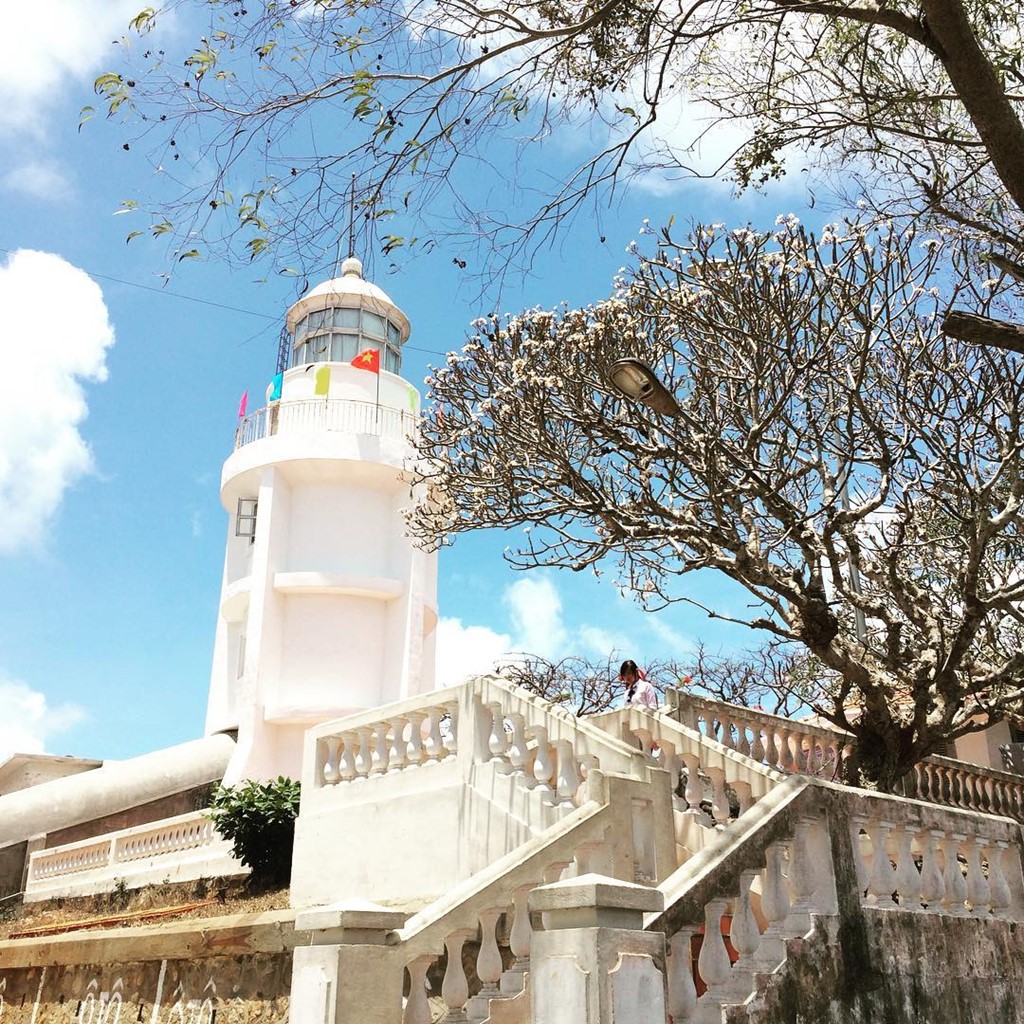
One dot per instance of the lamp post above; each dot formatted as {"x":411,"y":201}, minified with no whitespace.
{"x":636,"y":380}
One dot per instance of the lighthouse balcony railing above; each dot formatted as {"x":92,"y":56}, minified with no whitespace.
{"x":318,"y":415}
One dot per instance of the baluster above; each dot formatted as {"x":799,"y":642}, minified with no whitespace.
{"x":396,"y":755}
{"x":955,"y":884}
{"x":568,"y":779}
{"x":451,"y":741}
{"x":771,"y":750}
{"x":543,"y":768}
{"x":414,"y":748}
{"x":347,"y":757}
{"x":719,"y":799}
{"x":908,"y":881}
{"x":417,"y":1008}
{"x":933,"y":885}
{"x":803,"y":878}
{"x":670,"y":762}
{"x":693,"y":789}
{"x":919,"y":781}
{"x":775,"y":907}
{"x":989,"y":786}
{"x":785,"y":751}
{"x":744,"y":935}
{"x":726,"y":738}
{"x":744,"y":795}
{"x":379,"y":754}
{"x":362,"y":761}
{"x":742,"y":744}
{"x":433,"y":745}
{"x":999,"y":889}
{"x":586,"y":763}
{"x":488,"y":961}
{"x":455,"y":986}
{"x":966,"y":789}
{"x":757,"y":747}
{"x":513,"y":980}
{"x":977,"y":884}
{"x":857,"y":823}
{"x":682,"y":992}
{"x":497,"y":741}
{"x":329,"y":769}
{"x":713,"y":959}
{"x":517,"y":748}
{"x":882,"y":880}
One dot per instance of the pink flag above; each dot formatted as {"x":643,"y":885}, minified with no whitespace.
{"x":243,"y":402}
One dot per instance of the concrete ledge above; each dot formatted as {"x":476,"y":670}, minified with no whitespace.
{"x":194,"y":939}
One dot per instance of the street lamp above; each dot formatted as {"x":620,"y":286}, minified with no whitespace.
{"x":638,"y":381}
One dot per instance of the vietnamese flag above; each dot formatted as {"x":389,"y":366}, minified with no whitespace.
{"x":368,"y":360}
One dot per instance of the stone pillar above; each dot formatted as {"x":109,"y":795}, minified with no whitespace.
{"x":343,"y":970}
{"x":593,"y":963}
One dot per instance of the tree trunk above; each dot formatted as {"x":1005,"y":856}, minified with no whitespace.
{"x":982,"y":330}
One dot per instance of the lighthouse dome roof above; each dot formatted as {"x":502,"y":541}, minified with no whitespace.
{"x":350,"y":289}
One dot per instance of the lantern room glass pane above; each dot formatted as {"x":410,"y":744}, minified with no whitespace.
{"x":346,"y":318}
{"x":373,"y":324}
{"x":394,"y":335}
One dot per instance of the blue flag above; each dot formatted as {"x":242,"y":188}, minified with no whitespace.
{"x":274,"y":388}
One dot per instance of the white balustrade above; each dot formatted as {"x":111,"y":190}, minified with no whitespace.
{"x":941,"y":780}
{"x":792,"y":746}
{"x":417,"y":737}
{"x":958,"y":870}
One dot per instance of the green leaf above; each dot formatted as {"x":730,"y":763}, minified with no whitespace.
{"x":143,"y":21}
{"x":86,"y":114}
{"x":133,"y":234}
{"x":192,"y":254}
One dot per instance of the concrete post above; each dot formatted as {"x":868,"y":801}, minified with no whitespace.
{"x":593,"y":963}
{"x":347,"y":973}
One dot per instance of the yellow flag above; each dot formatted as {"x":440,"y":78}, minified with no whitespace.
{"x":323,"y":381}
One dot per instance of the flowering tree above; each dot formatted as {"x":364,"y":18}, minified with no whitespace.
{"x":827,"y":456}
{"x":767,"y":677}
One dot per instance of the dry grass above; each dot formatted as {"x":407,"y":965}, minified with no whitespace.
{"x":216,"y":897}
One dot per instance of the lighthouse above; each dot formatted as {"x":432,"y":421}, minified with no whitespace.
{"x":326,"y":606}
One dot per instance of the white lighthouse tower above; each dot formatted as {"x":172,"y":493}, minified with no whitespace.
{"x":326,"y":606}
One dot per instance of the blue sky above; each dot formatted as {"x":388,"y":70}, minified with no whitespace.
{"x":120,"y":403}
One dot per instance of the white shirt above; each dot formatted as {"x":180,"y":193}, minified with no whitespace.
{"x":644,"y":695}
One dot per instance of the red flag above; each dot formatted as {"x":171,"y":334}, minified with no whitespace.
{"x":242,"y":403}
{"x":368,"y":360}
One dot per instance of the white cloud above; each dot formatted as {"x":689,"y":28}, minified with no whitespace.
{"x":46,"y":359}
{"x":467,"y":651}
{"x":536,"y":612}
{"x":29,"y":723}
{"x":678,"y":643}
{"x":47,"y":43}
{"x":602,"y":642}
{"x":37,"y":179}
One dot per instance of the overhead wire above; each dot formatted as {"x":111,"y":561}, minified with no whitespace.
{"x":210,"y":302}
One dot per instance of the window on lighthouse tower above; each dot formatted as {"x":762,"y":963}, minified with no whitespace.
{"x":339,"y":334}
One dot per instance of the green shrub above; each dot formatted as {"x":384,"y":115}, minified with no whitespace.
{"x":259,"y":820}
